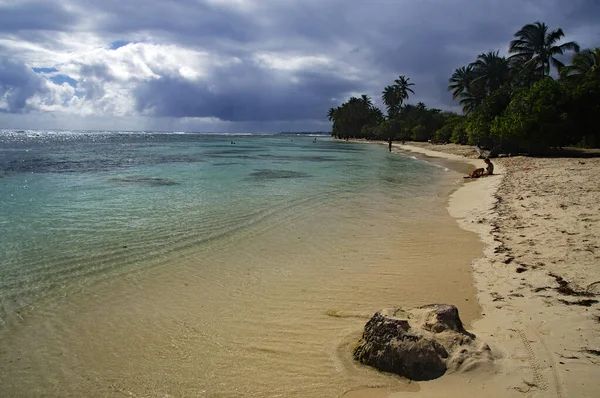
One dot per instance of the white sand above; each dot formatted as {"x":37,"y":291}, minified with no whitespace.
{"x":537,"y":217}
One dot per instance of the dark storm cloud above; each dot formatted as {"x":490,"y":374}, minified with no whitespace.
{"x":183,"y":21}
{"x":425,"y":40}
{"x":34,"y":15}
{"x":261,"y":95}
{"x":578,"y":12}
{"x":18,"y":83}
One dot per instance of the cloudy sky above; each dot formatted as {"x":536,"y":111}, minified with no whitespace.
{"x":245,"y":65}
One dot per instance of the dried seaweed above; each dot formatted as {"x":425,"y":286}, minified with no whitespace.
{"x":565,"y":288}
{"x":585,"y":303}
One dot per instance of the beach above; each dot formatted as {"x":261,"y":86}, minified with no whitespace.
{"x":184,"y":265}
{"x":538,"y":279}
{"x":265,"y":291}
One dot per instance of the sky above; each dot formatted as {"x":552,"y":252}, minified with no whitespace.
{"x":245,"y":65}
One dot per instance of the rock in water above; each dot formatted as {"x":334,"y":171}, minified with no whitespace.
{"x":420,"y":343}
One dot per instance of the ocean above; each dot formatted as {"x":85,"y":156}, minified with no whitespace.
{"x":186,"y":264}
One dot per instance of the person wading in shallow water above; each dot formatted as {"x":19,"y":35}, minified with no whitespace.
{"x":390,"y":144}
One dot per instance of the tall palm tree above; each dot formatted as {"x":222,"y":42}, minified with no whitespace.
{"x":402,"y":87}
{"x":491,"y":70}
{"x":535,"y":45}
{"x":390,"y":100}
{"x":461,"y":80}
{"x":585,"y":63}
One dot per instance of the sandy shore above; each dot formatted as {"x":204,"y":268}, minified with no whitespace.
{"x":539,"y":279}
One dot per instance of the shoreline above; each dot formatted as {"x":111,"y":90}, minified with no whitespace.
{"x":273,"y":310}
{"x":544,"y":340}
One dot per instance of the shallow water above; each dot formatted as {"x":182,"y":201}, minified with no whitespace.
{"x":188,"y":265}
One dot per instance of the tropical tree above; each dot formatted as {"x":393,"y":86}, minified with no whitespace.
{"x":491,"y":71}
{"x":390,"y":100}
{"x":471,"y":84}
{"x":585,"y":63}
{"x":534,"y":119}
{"x":463,"y":87}
{"x":354,"y":117}
{"x":471,"y":99}
{"x":478,"y":123}
{"x":535,"y":45}
{"x":366,"y":100}
{"x":402,"y":87}
{"x":331,"y":114}
{"x":461,"y":80}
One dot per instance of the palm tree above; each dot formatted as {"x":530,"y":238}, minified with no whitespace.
{"x":366,"y":100}
{"x":491,"y":70}
{"x":461,"y":80}
{"x":470,"y":101}
{"x":331,"y":114}
{"x":375,"y":115}
{"x":535,"y":45}
{"x":585,"y":63}
{"x":402,"y":87}
{"x":390,"y":100}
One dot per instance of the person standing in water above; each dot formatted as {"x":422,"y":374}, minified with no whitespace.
{"x":390,"y":144}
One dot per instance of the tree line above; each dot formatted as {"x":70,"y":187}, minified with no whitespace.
{"x":512,"y":103}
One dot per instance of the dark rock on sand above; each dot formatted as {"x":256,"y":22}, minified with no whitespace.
{"x":421,"y":343}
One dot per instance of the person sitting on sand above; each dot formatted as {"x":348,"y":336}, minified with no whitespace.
{"x":488,"y":171}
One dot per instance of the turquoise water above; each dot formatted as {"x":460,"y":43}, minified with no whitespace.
{"x":185,"y":265}
{"x":78,"y":206}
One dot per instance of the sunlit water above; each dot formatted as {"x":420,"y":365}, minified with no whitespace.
{"x":156,"y":264}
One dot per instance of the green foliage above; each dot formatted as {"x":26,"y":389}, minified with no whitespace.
{"x":535,"y":119}
{"x":583,"y":64}
{"x":445,"y":133}
{"x":511,"y":103}
{"x":583,"y":111}
{"x":419,"y":133}
{"x":387,"y":129}
{"x":479,"y":122}
{"x":459,"y":134}
{"x":354,"y":118}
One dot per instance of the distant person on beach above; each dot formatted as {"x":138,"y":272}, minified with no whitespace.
{"x":488,"y":171}
{"x":390,"y":144}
